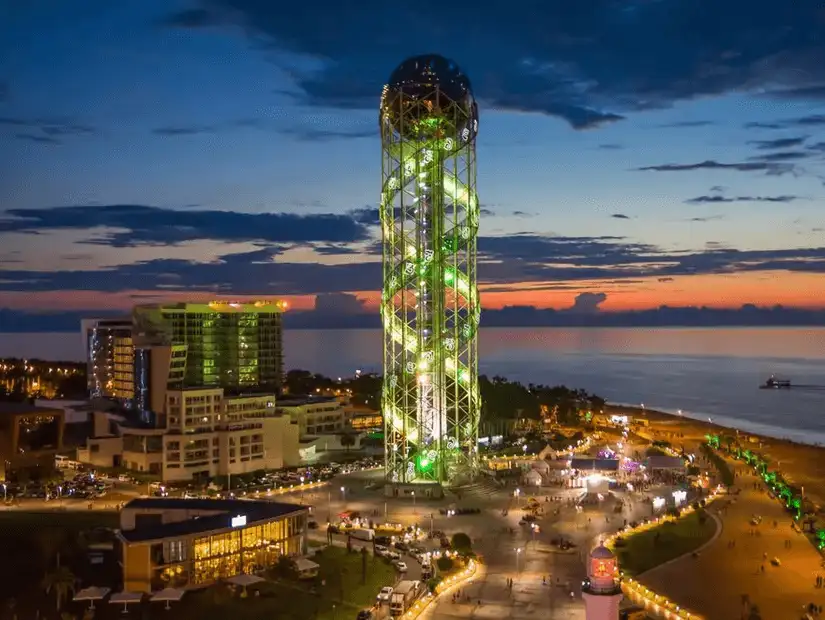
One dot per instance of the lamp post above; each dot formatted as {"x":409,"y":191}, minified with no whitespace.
{"x":344,"y":496}
{"x":415,"y":512}
{"x":302,"y":488}
{"x":518,"y":555}
{"x":518,"y":497}
{"x":329,"y":506}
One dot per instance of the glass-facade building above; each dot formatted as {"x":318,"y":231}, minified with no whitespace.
{"x":229,"y":345}
{"x":180,"y":543}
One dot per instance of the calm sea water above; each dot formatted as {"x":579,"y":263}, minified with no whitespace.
{"x":703,"y":372}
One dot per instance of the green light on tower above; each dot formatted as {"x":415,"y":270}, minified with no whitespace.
{"x":430,"y":305}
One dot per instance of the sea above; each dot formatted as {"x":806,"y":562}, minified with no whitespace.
{"x":706,"y":373}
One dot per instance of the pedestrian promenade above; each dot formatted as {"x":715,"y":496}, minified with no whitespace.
{"x":736,"y":569}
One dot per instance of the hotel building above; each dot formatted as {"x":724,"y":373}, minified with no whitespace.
{"x":226,"y":344}
{"x":202,"y":433}
{"x":109,"y":357}
{"x":186,"y":543}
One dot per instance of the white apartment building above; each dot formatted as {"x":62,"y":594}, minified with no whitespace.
{"x":315,"y":415}
{"x":207,"y":434}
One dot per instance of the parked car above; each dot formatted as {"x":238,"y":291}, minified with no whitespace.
{"x":401,"y":566}
{"x":385,"y":594}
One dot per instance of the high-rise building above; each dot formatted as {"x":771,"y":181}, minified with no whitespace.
{"x":225,"y":344}
{"x":430,"y":305}
{"x":109,"y":357}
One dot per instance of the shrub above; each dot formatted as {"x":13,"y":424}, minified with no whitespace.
{"x":462,"y":543}
{"x":432,"y":583}
{"x":445,"y":564}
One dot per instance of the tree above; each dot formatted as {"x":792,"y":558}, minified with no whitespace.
{"x":285,"y":568}
{"x":61,"y":581}
{"x":50,"y":542}
{"x":462,"y":543}
{"x":347,"y":440}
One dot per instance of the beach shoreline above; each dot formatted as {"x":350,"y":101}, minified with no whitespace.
{"x":800,"y":463}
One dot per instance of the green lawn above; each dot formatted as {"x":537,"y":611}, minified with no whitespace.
{"x":643,"y":551}
{"x":300,"y":600}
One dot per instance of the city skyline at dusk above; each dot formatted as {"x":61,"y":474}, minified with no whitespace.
{"x":632,"y":155}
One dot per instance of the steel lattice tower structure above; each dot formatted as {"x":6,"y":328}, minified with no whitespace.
{"x":430,"y":305}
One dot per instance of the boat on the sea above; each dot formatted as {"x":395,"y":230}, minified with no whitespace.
{"x":774,"y":383}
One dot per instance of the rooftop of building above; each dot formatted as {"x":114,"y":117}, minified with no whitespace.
{"x":254,"y":511}
{"x":26,"y":408}
{"x":231,"y":307}
{"x":297,"y":401}
{"x":585,"y":463}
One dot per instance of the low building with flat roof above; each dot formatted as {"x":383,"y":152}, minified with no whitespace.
{"x":30,"y":438}
{"x":191,"y":543}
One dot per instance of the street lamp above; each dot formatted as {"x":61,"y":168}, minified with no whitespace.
{"x":415,"y":512}
{"x":518,"y":555}
{"x":517,"y":493}
{"x":344,"y":496}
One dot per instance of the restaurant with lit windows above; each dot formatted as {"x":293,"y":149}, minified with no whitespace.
{"x":192,"y":543}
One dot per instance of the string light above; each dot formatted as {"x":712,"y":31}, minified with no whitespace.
{"x":635,"y":589}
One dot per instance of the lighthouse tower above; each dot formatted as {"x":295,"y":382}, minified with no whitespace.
{"x":602,"y":591}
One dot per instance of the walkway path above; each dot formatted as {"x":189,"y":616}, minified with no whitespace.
{"x":722,"y":575}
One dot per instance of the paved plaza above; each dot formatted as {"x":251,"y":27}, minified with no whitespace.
{"x":779,"y":592}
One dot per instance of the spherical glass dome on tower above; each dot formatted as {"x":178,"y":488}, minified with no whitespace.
{"x":429,"y":97}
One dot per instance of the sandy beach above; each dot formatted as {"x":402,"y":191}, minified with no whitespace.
{"x":800,"y":463}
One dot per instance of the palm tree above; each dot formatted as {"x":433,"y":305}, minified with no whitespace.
{"x":62,"y":581}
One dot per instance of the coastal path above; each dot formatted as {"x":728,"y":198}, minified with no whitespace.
{"x":735,"y":562}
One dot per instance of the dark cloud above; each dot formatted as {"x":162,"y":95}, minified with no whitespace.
{"x":45,"y":130}
{"x":781,"y":156}
{"x":688,"y":124}
{"x":338,"y":303}
{"x":574,"y":63}
{"x":520,"y":214}
{"x":502,"y":260}
{"x":811,"y":120}
{"x":588,"y":303}
{"x":192,"y":18}
{"x":779,"y":143}
{"x":310,"y":134}
{"x":763,"y":126}
{"x":611,"y":147}
{"x":134,"y":225}
{"x":819,"y":146}
{"x":718,"y":188}
{"x":720,"y":199}
{"x":770,"y":168}
{"x":708,"y":218}
{"x":620,"y":216}
{"x":814,"y":120}
{"x":182,"y":130}
{"x":28,"y":137}
{"x":809,"y":93}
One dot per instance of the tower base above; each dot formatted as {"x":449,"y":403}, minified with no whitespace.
{"x":602,"y":606}
{"x":417,"y":490}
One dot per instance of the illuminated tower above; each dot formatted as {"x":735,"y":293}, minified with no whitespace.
{"x":430,"y":306}
{"x":602,"y":591}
